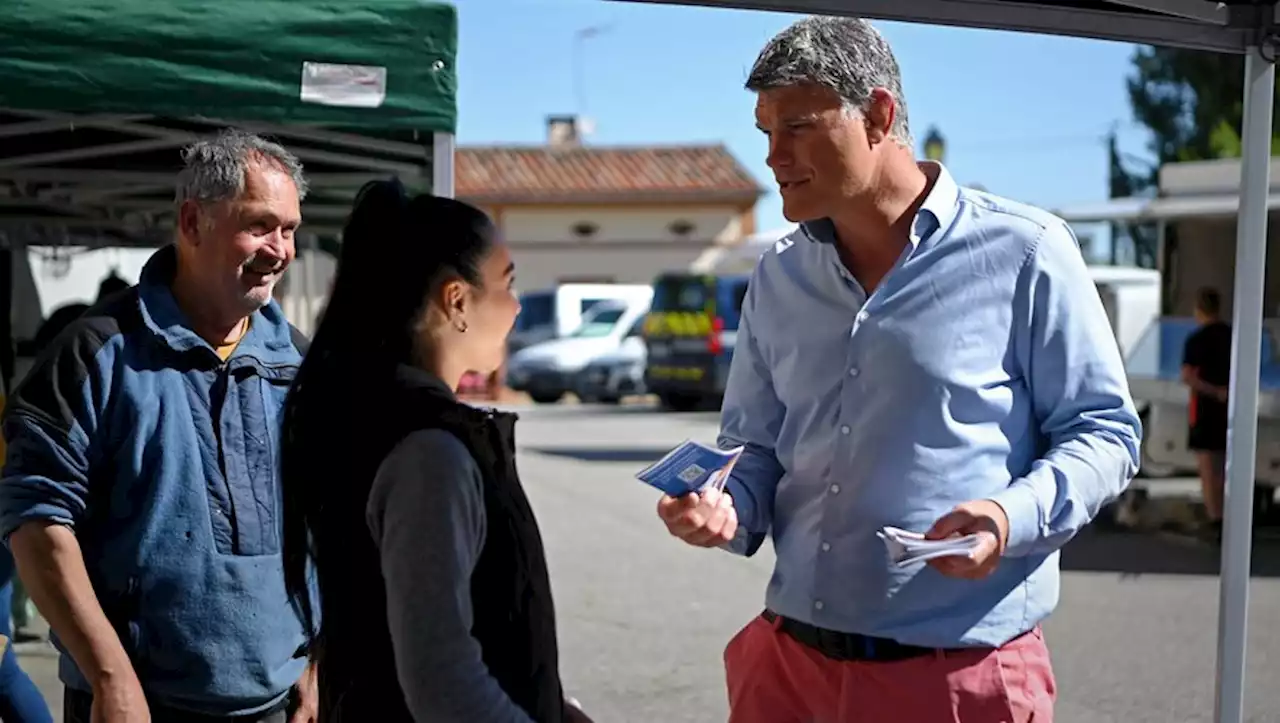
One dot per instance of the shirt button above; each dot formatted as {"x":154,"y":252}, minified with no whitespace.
{"x":844,"y":429}
{"x":826,"y":546}
{"x":818,"y":605}
{"x":853,"y":372}
{"x":835,"y":489}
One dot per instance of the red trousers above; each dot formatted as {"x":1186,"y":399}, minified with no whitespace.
{"x":774,"y":679}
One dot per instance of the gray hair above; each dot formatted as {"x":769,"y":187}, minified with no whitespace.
{"x":847,"y":55}
{"x":214,"y":167}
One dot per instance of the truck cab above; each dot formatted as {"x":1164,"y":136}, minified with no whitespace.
{"x":689,"y":337}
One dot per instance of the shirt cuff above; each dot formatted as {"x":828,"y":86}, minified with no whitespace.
{"x":1021,"y":506}
{"x":744,"y":542}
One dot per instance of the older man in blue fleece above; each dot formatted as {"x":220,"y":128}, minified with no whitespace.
{"x":140,"y":494}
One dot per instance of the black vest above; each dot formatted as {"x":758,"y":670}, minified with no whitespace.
{"x":514,"y":618}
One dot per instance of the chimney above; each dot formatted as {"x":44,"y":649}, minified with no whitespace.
{"x":563,"y":131}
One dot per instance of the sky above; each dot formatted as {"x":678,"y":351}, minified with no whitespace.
{"x":1023,"y":115}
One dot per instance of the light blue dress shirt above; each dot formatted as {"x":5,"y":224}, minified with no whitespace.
{"x":982,"y":367}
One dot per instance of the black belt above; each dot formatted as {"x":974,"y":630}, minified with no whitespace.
{"x":845,"y":647}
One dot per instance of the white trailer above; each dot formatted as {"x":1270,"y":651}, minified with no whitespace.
{"x":1194,"y":220}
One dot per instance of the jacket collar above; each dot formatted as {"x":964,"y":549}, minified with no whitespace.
{"x":269,"y":338}
{"x":414,"y":383}
{"x":418,"y":379}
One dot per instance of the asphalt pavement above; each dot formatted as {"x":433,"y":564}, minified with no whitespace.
{"x":643,"y":619}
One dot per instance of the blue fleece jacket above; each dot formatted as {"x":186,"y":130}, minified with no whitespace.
{"x":164,"y":460}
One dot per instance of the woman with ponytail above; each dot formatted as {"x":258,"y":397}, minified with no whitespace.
{"x":433,"y":597}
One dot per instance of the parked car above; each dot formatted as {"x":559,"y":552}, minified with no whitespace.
{"x":689,"y":336}
{"x":615,"y":374}
{"x":547,"y":370}
{"x":556,"y":312}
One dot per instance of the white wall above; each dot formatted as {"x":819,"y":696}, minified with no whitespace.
{"x":1207,"y":257}
{"x":628,"y":246}
{"x":1219,"y":176}
{"x":538,"y":268}
{"x":303,"y":302}
{"x":617,"y":225}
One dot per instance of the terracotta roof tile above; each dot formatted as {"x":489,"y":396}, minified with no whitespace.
{"x":586,"y":173}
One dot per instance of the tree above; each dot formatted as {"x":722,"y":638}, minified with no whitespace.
{"x":1191,"y":102}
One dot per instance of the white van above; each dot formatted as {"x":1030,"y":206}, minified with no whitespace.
{"x":548,"y":369}
{"x":556,"y":312}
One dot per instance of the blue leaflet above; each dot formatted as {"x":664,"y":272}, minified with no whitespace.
{"x":689,"y":468}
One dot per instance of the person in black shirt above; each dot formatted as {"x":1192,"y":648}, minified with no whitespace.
{"x":1206,"y":368}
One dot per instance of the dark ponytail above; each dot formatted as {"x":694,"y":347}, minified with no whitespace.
{"x":395,"y":251}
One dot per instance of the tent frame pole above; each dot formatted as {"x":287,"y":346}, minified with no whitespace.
{"x":443,"y":148}
{"x":1246,"y":359}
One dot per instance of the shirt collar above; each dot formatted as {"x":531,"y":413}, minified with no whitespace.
{"x":940,"y":206}
{"x":937,"y":212}
{"x":268,"y":335}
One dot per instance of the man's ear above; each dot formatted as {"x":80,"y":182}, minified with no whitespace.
{"x":882,"y":110}
{"x":189,"y":221}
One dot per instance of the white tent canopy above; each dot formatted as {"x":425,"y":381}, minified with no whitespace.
{"x":1246,"y":27}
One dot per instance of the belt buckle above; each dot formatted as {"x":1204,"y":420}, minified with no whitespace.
{"x":836,"y":645}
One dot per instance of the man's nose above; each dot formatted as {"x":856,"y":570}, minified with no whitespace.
{"x":279,"y":244}
{"x":780,"y":153}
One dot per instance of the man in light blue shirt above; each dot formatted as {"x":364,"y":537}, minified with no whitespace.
{"x":916,"y":355}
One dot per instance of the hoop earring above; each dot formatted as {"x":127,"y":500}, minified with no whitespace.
{"x":463,"y":326}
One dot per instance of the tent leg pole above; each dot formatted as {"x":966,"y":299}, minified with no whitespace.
{"x":442,"y":150}
{"x":1246,"y":353}
{"x":308,"y":320}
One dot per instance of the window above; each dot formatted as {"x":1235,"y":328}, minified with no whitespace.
{"x":680,"y":293}
{"x":536,"y":310}
{"x":599,"y":322}
{"x":734,"y":291}
{"x":691,"y":294}
{"x":732,"y":311}
{"x":588,"y":305}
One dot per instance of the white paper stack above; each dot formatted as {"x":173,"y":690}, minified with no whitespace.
{"x":908,"y":548}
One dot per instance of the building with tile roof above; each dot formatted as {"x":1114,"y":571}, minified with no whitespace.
{"x":576,"y":212}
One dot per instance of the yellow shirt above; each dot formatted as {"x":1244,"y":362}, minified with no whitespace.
{"x":225,"y":350}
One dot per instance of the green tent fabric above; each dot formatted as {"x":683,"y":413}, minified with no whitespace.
{"x":386,"y":64}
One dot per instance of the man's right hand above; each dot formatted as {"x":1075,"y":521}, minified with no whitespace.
{"x":705,"y":520}
{"x":120,"y":701}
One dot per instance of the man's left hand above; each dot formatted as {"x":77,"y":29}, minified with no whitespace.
{"x":308,"y":710}
{"x":984,"y":518}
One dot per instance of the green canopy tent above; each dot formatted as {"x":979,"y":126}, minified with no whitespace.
{"x":1247,"y":27}
{"x":97,"y":98}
